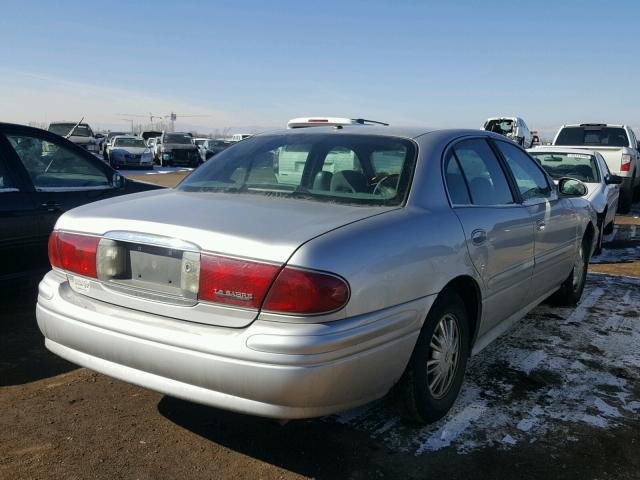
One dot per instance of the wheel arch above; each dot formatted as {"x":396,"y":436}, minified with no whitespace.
{"x":469,"y":291}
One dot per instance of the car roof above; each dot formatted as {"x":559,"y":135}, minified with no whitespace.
{"x":593,"y":125}
{"x":504,"y":117}
{"x":377,"y":130}
{"x":560,"y":149}
{"x":407,"y":132}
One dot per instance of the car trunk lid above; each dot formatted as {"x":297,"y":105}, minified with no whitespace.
{"x":158,"y":233}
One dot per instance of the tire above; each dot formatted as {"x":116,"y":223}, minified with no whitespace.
{"x":418,"y":401}
{"x":608,"y":229}
{"x":571,"y":289}
{"x":626,"y":200}
{"x":601,"y":220}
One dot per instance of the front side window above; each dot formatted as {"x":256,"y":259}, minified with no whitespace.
{"x":530,"y":180}
{"x":355,"y":169}
{"x":482,"y":173}
{"x":55,"y":167}
{"x":575,"y":165}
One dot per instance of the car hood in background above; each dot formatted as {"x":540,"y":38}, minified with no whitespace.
{"x":242,"y":225}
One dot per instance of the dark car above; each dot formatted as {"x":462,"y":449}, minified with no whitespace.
{"x":213,"y":147}
{"x":177,"y":149}
{"x":42,"y":175}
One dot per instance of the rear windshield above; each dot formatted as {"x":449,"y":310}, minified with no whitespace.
{"x":602,"y":136}
{"x":129,"y":142}
{"x":574,"y":165}
{"x":503,"y":126}
{"x":353,"y":169}
{"x":63,"y":129}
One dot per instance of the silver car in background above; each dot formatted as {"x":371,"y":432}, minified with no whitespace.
{"x":591,"y":168}
{"x":389,"y":258}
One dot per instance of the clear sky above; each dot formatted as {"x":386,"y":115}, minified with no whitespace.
{"x":259,"y":63}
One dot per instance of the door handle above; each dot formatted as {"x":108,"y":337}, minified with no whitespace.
{"x":51,"y":206}
{"x":478,"y":237}
{"x":540,"y":225}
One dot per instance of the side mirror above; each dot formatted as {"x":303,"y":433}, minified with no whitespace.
{"x":613,"y":180}
{"x":570,"y":187}
{"x":117,"y":181}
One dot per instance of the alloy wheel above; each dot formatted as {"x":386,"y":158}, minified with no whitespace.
{"x":444,"y":353}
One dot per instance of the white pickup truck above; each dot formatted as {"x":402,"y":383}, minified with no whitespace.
{"x":619,"y":147}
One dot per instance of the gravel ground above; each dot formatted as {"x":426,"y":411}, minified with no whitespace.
{"x":556,"y":397}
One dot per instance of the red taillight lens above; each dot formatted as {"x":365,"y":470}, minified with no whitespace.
{"x":74,"y":253}
{"x":54,"y":255}
{"x":304,"y":292}
{"x":625,"y":166}
{"x":232,"y":281}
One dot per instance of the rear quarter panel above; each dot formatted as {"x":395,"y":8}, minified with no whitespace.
{"x":392,"y":258}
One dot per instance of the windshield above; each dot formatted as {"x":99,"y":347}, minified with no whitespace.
{"x":150,"y":134}
{"x":602,"y":136}
{"x":110,"y":135}
{"x":129,"y":142}
{"x":574,"y":165}
{"x":63,"y":129}
{"x":199,"y":141}
{"x":358,"y":169}
{"x":179,"y":138}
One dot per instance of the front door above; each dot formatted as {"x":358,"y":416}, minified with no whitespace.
{"x":20,"y":252}
{"x":555,"y":220}
{"x":61,"y":177}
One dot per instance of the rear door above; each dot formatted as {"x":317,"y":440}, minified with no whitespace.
{"x":556,"y":222}
{"x":498,"y":230}
{"x":20,"y":251}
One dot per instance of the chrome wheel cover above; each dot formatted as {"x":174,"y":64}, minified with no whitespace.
{"x":444,"y":354}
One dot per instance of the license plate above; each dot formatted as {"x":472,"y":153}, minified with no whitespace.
{"x":154,"y":268}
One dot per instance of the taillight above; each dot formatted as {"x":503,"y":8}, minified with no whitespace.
{"x":74,"y":252}
{"x":232,"y":281}
{"x":625,"y":166}
{"x":54,"y":255}
{"x":305,"y":292}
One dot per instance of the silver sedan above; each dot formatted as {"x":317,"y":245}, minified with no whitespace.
{"x":307,"y":272}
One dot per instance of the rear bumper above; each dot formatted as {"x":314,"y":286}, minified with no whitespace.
{"x":272,"y":369}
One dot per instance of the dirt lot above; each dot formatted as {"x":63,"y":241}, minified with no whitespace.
{"x":557,"y":397}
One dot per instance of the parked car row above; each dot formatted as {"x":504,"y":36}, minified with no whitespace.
{"x":43,"y":175}
{"x":615,"y":145}
{"x":308,"y":271}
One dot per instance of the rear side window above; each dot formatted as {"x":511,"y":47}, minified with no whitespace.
{"x":456,"y":183}
{"x":593,"y":135}
{"x":530,"y":179}
{"x":482,"y":173}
